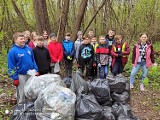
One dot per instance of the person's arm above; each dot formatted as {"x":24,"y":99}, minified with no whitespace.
{"x":113,"y":53}
{"x":48,"y":56}
{"x":61,"y":53}
{"x":127,"y":49}
{"x":34,"y":62}
{"x":12,"y":69}
{"x":53,"y":58}
{"x":97,"y":55}
{"x":152,"y":55}
{"x":134,"y":55}
{"x":73,"y":51}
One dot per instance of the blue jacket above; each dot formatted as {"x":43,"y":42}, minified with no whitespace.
{"x":20,"y":60}
{"x":68,"y":48}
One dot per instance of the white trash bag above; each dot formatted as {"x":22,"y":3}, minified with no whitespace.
{"x":35,"y":84}
{"x":55,"y":103}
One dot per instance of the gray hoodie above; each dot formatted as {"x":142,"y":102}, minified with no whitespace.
{"x":77,"y":45}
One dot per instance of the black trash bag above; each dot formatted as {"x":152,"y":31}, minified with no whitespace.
{"x":24,"y":111}
{"x":127,"y":113}
{"x":117,"y":84}
{"x":101,"y":91}
{"x":108,"y":113}
{"x":67,"y":81}
{"x":87,"y":108}
{"x":79,"y":85}
{"x":117,"y":109}
{"x":121,"y":98}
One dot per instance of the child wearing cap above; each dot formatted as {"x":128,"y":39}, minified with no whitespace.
{"x":56,"y":52}
{"x":68,"y":51}
{"x":42,"y":57}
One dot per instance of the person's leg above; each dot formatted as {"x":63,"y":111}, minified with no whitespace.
{"x":105,"y":71}
{"x":70,"y":64}
{"x":100,"y":72}
{"x":66,"y":62}
{"x":89,"y":70}
{"x":20,"y":88}
{"x":115,"y":69}
{"x":133,"y":73}
{"x":120,"y":68}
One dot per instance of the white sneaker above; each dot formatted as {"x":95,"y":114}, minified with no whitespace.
{"x":131,"y":86}
{"x":141,"y":87}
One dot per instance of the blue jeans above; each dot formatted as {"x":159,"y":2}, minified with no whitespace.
{"x":103,"y":68}
{"x":135,"y":70}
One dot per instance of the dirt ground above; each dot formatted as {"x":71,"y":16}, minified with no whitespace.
{"x":145,"y":105}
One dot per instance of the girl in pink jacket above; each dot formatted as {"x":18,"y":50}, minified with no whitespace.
{"x":143,"y":56}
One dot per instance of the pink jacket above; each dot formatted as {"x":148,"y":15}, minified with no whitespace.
{"x":149,"y":54}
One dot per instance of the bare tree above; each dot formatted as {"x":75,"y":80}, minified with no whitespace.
{"x":79,"y":18}
{"x":63,"y":19}
{"x":41,"y":15}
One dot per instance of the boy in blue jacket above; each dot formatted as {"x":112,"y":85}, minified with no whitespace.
{"x":69,"y":51}
{"x":20,"y":60}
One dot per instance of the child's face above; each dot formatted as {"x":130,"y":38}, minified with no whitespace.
{"x":86,"y":41}
{"x":67,"y":37}
{"x":111,"y":33}
{"x":93,"y":40}
{"x":34,"y":37}
{"x":40,"y":43}
{"x":80,"y":36}
{"x":45,"y":35}
{"x":53,"y":38}
{"x":90,"y":33}
{"x":102,"y":40}
{"x":20,"y":41}
{"x":144,"y":38}
{"x":27,"y":34}
{"x":118,"y":40}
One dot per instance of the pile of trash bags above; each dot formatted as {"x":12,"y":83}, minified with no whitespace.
{"x":76,"y":99}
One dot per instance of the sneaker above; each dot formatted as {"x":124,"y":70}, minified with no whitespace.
{"x":131,"y":86}
{"x":141,"y":87}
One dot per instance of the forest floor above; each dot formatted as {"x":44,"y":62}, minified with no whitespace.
{"x":145,"y":105}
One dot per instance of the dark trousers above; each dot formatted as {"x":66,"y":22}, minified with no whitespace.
{"x":68,"y":67}
{"x":88,"y":66}
{"x":117,"y":68}
{"x":94,"y":71}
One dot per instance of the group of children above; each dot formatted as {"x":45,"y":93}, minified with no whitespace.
{"x":44,"y":53}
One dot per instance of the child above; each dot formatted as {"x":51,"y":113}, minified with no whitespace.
{"x":20,"y":60}
{"x":32,"y":44}
{"x":120,"y":51}
{"x":45,"y":37}
{"x":68,"y":50}
{"x":143,"y":56}
{"x":27,"y":35}
{"x":41,"y":55}
{"x":56,"y":52}
{"x":86,"y":57}
{"x":90,"y":34}
{"x":102,"y":54}
{"x":78,"y":43}
{"x":94,"y":43}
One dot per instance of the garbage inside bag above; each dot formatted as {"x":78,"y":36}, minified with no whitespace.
{"x":117,"y":109}
{"x":123,"y":97}
{"x":56,"y":102}
{"x":79,"y":85}
{"x":88,"y":108}
{"x":108,"y":113}
{"x":35,"y":84}
{"x":117,"y":84}
{"x":24,"y":111}
{"x":101,"y":91}
{"x":67,"y":81}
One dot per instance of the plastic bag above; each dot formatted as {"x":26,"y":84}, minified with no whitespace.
{"x":67,"y":81}
{"x":108,"y":113}
{"x":117,"y":84}
{"x":87,"y":107}
{"x":79,"y":85}
{"x":56,"y":102}
{"x":35,"y":84}
{"x":101,"y":91}
{"x":122,"y":98}
{"x":24,"y":111}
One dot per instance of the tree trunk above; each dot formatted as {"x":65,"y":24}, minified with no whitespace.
{"x":41,"y":15}
{"x":78,"y":21}
{"x":22,"y":19}
{"x":63,"y":20}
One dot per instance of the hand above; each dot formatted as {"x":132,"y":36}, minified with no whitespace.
{"x":38,"y":74}
{"x":94,"y":65}
{"x":99,"y":65}
{"x":69,"y":58}
{"x":110,"y":63}
{"x":154,"y":64}
{"x":16,"y":82}
{"x":119,"y":54}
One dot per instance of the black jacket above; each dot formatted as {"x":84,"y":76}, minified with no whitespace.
{"x":42,"y":58}
{"x":86,"y":53}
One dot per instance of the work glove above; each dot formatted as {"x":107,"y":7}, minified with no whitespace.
{"x":99,"y":65}
{"x":94,"y":65}
{"x":69,"y":58}
{"x":16,"y":82}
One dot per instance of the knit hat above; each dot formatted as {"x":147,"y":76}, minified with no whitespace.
{"x":52,"y":35}
{"x":79,"y":33}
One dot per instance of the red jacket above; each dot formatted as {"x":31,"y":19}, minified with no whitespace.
{"x":31,"y":45}
{"x":55,"y":51}
{"x":125,"y":53}
{"x":149,"y":54}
